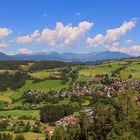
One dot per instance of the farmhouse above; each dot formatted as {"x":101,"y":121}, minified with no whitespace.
{"x":48,"y":129}
{"x":67,"y":120}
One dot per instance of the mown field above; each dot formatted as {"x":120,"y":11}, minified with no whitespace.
{"x":107,"y":68}
{"x":40,"y":74}
{"x":28,"y":135}
{"x":133,"y":69}
{"x":21,"y":113}
{"x":43,"y":86}
{"x":6,"y":96}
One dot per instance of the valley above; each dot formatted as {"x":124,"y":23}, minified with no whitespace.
{"x":71,"y":90}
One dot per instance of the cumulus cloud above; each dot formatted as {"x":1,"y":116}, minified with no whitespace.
{"x":63,"y":36}
{"x":131,"y":50}
{"x":24,"y":51}
{"x":4,"y":45}
{"x":5,"y":32}
{"x":28,"y":38}
{"x":112,"y":37}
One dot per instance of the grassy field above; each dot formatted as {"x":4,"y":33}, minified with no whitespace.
{"x":92,"y":71}
{"x":43,"y":86}
{"x":28,"y":135}
{"x":64,"y":101}
{"x":105,"y":68}
{"x":5,"y":96}
{"x":15,"y":105}
{"x":133,"y":69}
{"x":20,"y":113}
{"x":82,"y":78}
{"x":39,"y":74}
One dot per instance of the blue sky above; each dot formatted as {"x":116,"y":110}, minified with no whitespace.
{"x":28,"y":26}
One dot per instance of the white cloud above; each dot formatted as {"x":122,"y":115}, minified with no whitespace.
{"x":128,"y":41}
{"x":28,"y":38}
{"x":24,"y":51}
{"x":63,"y":36}
{"x":112,"y":37}
{"x":131,"y":50}
{"x":4,"y":45}
{"x":5,"y":32}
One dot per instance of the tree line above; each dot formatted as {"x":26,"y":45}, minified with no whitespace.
{"x":52,"y":113}
{"x":115,"y":120}
{"x":43,"y":65}
{"x":12,"y":65}
{"x":13,"y":81}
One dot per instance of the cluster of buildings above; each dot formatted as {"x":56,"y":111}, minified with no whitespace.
{"x":67,"y":120}
{"x":48,"y":129}
{"x":36,"y":92}
{"x":63,"y":122}
{"x":14,"y":123}
{"x":117,"y":86}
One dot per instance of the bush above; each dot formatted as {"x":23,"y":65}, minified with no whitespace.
{"x":19,"y":137}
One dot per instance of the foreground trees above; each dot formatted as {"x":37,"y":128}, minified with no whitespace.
{"x":52,"y":113}
{"x":4,"y":136}
{"x":19,"y":137}
{"x":13,"y":81}
{"x":114,"y":119}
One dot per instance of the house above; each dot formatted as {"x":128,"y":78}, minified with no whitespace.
{"x":71,"y":120}
{"x":48,"y":129}
{"x":67,"y":120}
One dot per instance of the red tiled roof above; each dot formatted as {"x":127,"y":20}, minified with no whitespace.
{"x":71,"y":120}
{"x":47,"y":128}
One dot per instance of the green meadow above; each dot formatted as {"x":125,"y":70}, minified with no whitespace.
{"x":21,"y":113}
{"x":39,"y":74}
{"x":43,"y":86}
{"x":133,"y":69}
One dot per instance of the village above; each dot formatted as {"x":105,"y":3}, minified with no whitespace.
{"x":117,"y":86}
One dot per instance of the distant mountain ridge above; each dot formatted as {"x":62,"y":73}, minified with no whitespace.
{"x":5,"y":57}
{"x":94,"y":56}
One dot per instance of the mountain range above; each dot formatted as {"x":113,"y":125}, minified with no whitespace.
{"x":70,"y":57}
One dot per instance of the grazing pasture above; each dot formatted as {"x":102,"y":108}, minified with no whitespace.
{"x":6,"y":96}
{"x":43,"y":86}
{"x":28,"y":135}
{"x":21,"y":113}
{"x":133,"y":69}
{"x":39,"y":74}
